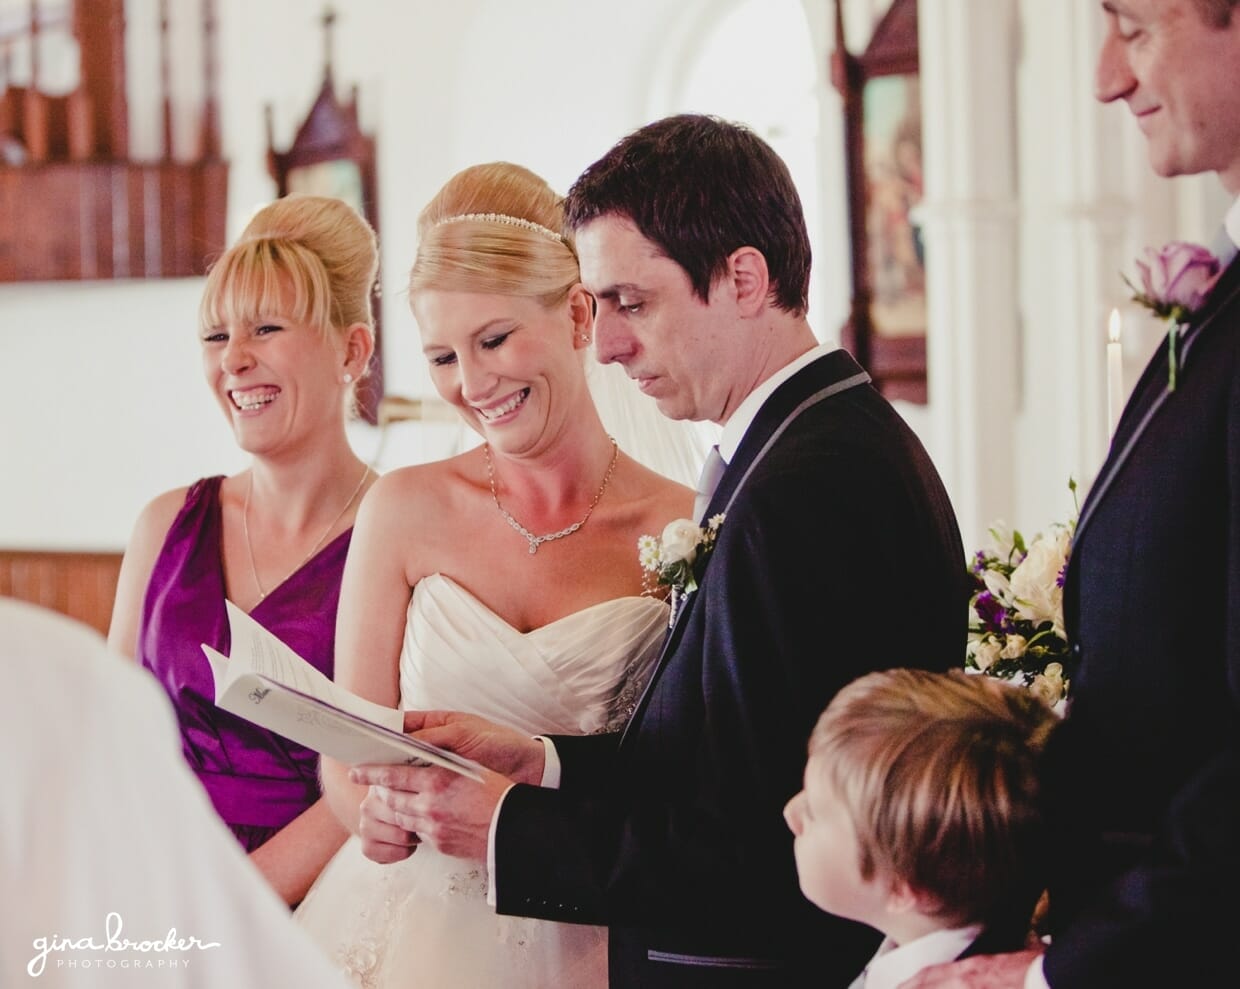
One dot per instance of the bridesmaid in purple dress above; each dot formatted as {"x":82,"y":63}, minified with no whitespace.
{"x":286,"y":331}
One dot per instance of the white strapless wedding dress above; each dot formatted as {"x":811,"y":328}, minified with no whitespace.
{"x":425,"y":921}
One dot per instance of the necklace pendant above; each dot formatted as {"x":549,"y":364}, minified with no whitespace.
{"x":533,"y":546}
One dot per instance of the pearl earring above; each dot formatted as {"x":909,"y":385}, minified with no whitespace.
{"x":348,"y":378}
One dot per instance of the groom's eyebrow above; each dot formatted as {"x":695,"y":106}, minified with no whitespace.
{"x":612,"y":291}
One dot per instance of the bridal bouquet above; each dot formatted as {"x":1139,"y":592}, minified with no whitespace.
{"x":1016,"y":627}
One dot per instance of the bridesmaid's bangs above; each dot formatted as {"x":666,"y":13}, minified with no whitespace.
{"x":266,"y":278}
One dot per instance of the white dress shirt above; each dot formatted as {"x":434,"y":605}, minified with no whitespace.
{"x":893,"y":964}
{"x":1231,"y":223}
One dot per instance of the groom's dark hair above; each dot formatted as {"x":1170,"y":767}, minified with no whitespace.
{"x":1216,"y":13}
{"x":699,"y":188}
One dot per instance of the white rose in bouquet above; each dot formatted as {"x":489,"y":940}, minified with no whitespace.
{"x":986,"y":653}
{"x":680,"y":541}
{"x":1036,"y":582}
{"x":1049,"y":684}
{"x":1014,"y":647}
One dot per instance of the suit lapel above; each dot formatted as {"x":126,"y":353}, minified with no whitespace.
{"x":830,"y":374}
{"x":1142,"y":410}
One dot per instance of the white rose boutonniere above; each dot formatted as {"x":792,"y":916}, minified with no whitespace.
{"x":677,"y":557}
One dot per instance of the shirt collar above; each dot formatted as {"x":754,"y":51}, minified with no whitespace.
{"x":737,"y":426}
{"x":893,"y":964}
{"x":1231,"y":223}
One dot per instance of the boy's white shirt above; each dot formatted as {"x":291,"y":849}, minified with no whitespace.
{"x":894,"y":964}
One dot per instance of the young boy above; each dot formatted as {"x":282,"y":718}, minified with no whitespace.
{"x":919,"y":816}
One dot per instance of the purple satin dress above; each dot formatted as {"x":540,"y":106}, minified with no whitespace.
{"x":257,"y":780}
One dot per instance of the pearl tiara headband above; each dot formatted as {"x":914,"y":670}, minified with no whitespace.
{"x":504,"y":218}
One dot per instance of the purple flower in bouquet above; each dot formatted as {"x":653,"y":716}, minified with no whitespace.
{"x":1175,"y":281}
{"x":990,"y":611}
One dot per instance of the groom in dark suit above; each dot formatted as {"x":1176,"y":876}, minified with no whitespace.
{"x":838,"y":554}
{"x":1144,"y":775}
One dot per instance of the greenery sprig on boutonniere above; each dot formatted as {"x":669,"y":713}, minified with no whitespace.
{"x":1174,"y":283}
{"x":677,"y":558}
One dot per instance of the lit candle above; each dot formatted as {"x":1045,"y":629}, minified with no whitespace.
{"x":1115,"y":370}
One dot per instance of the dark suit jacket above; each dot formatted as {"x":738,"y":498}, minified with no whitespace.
{"x":839,"y":555}
{"x":1143,"y":778}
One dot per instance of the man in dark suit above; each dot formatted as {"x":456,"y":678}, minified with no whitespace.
{"x":1143,"y":778}
{"x":838,"y":554}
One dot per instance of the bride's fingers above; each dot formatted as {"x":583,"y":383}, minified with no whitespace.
{"x":385,"y":853}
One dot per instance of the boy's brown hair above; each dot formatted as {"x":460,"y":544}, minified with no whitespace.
{"x":939,"y":772}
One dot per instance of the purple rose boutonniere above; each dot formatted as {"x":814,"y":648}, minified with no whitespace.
{"x":1175,"y":281}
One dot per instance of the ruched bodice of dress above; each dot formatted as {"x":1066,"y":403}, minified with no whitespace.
{"x":577,"y":675}
{"x":425,"y":921}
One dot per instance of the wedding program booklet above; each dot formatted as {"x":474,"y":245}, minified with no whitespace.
{"x":267,"y":683}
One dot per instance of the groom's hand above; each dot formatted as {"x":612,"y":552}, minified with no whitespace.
{"x":982,"y":972}
{"x":425,"y":803}
{"x":509,"y":753}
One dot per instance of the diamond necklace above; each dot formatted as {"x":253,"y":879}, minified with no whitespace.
{"x":536,"y":541}
{"x":245,"y":526}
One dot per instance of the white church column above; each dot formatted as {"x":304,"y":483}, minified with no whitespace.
{"x":1088,"y":202}
{"x":967,"y":50}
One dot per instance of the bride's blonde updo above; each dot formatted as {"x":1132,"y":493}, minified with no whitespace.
{"x":311,"y":259}
{"x":495,"y":229}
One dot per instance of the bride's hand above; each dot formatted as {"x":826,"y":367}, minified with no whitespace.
{"x":509,"y":753}
{"x":424,"y":803}
{"x":383,"y":840}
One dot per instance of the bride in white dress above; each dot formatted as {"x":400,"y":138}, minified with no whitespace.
{"x":503,"y":581}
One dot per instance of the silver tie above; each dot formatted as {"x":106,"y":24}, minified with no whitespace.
{"x":712,"y":471}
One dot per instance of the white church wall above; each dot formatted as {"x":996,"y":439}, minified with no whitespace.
{"x":106,"y":406}
{"x":1038,"y":198}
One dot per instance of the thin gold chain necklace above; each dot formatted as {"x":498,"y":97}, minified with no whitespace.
{"x":249,"y":549}
{"x":536,"y":541}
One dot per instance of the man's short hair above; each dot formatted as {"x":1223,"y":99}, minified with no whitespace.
{"x":939,"y":774}
{"x":699,"y":188}
{"x":1216,"y":13}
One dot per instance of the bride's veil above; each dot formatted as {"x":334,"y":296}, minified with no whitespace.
{"x":671,"y":447}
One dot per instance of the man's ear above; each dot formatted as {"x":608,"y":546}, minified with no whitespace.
{"x":581,"y":311}
{"x":749,"y":279}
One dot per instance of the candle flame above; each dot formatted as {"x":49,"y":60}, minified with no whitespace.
{"x":1113,"y":326}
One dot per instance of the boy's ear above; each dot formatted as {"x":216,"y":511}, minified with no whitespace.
{"x":903,"y":898}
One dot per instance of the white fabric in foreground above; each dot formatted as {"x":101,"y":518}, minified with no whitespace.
{"x":103,"y":828}
{"x":425,"y":921}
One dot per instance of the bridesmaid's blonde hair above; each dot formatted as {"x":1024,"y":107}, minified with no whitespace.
{"x":311,"y":259}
